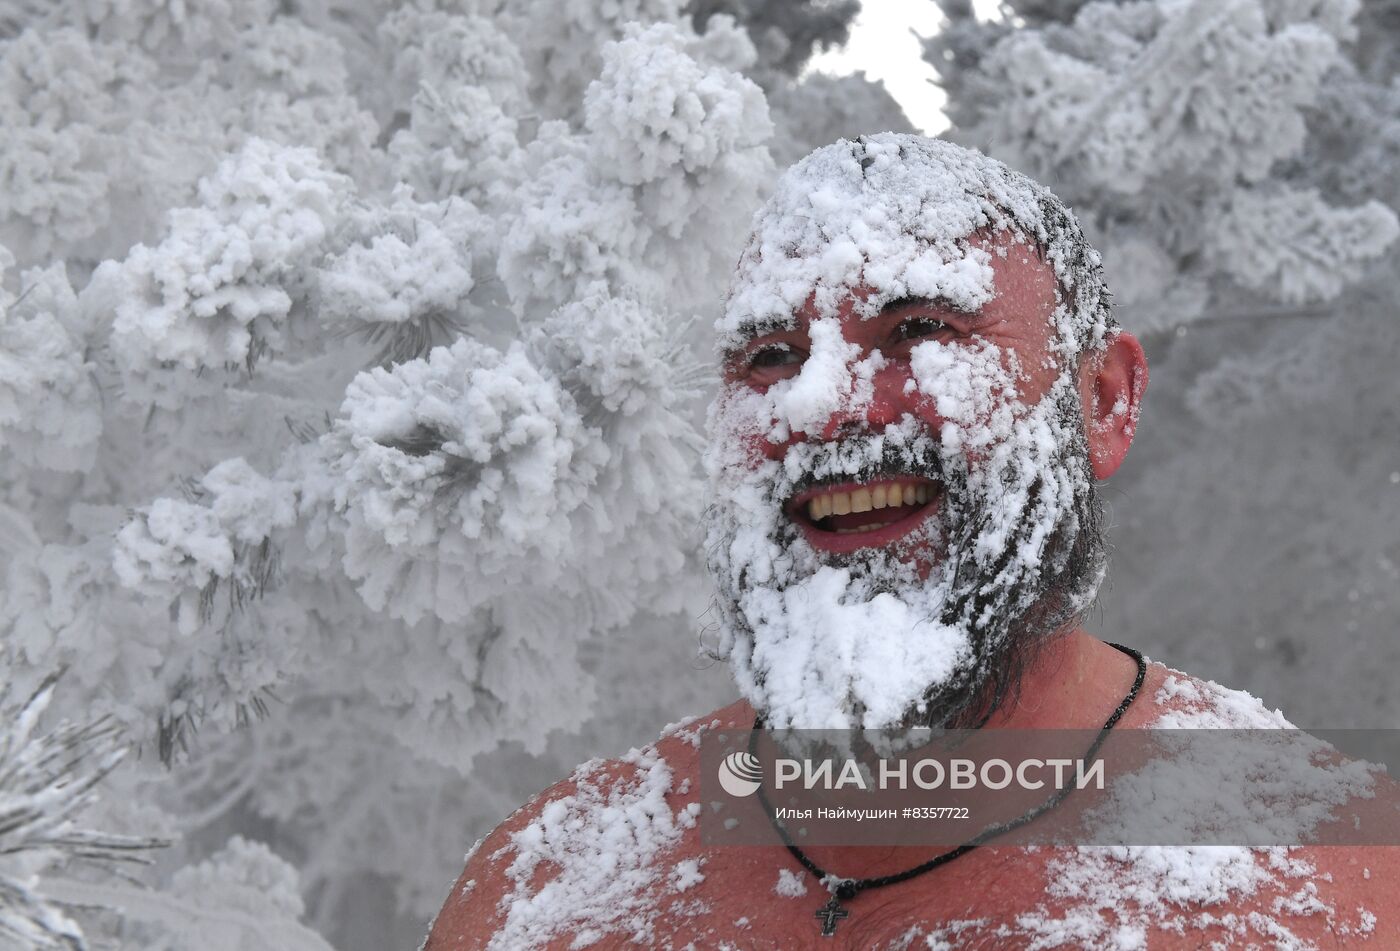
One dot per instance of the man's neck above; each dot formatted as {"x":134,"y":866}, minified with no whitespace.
{"x":1074,"y":683}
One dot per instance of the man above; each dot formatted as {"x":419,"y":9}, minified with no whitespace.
{"x":922,"y":383}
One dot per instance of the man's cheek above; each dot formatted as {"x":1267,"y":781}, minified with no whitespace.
{"x":969,"y":395}
{"x":743,"y":427}
{"x":759,"y":447}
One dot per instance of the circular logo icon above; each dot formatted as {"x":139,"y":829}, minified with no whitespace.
{"x":740,"y":774}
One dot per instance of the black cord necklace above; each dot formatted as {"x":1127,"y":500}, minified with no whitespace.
{"x":845,"y":889}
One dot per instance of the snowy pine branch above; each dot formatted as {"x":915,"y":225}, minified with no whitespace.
{"x":47,"y":779}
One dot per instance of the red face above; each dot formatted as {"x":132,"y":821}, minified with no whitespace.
{"x":845,"y":517}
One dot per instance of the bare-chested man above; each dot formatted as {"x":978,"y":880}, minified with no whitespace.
{"x":922,"y":385}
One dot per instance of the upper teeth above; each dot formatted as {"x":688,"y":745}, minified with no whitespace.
{"x":865,"y":498}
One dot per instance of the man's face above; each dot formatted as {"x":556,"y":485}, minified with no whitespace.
{"x":843,"y":517}
{"x":900,"y":496}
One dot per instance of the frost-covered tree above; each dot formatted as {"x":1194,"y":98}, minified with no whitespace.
{"x":1181,"y":131}
{"x":1235,"y":162}
{"x":350,"y":376}
{"x":46,"y":780}
{"x":785,"y":34}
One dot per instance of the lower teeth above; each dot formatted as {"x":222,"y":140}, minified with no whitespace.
{"x":863,"y":528}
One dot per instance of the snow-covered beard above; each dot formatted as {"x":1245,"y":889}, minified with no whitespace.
{"x":937,"y":628}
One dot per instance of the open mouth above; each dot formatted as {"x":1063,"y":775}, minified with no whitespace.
{"x":851,"y":515}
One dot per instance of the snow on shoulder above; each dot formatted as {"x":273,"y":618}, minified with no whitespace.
{"x":1283,"y":897}
{"x":601,"y":842}
{"x":590,"y":858}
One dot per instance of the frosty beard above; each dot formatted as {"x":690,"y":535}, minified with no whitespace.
{"x":938,"y":628}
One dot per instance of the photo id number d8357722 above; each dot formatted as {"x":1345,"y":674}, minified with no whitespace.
{"x":934,"y":812}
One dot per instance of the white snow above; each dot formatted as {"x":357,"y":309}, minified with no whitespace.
{"x":1115,"y":897}
{"x":791,"y":884}
{"x":601,"y":846}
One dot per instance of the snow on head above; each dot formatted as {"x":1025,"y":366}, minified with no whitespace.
{"x":935,"y":624}
{"x":895,"y":212}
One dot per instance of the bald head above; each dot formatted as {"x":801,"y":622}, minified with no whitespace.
{"x":894,"y":215}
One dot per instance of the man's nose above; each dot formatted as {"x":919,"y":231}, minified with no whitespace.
{"x":883,"y":409}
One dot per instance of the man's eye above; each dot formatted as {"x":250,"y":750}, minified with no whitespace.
{"x":916,"y":327}
{"x":774,"y":355}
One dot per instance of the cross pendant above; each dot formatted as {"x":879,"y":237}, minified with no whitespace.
{"x":830,"y":913}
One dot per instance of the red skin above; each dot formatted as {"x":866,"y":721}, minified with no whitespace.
{"x":1076,"y":683}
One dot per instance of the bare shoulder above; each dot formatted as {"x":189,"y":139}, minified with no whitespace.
{"x":1350,"y":892}
{"x":584,"y":858}
{"x":1304,"y":897}
{"x":1320,"y":896}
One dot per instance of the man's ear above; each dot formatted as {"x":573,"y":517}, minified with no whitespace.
{"x":1111,"y":384}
